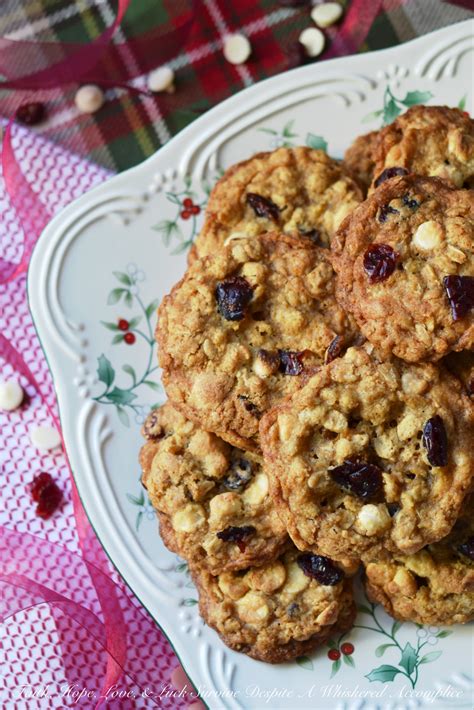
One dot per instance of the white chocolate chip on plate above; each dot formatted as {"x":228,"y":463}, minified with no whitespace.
{"x":11,"y":395}
{"x":313,"y":41}
{"x":45,"y":438}
{"x":89,"y":98}
{"x":237,"y":49}
{"x":326,"y":14}
{"x":161,"y":79}
{"x":428,"y":235}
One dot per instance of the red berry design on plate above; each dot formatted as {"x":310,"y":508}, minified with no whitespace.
{"x":45,"y":492}
{"x":347,"y":649}
{"x":186,"y":214}
{"x":129,"y":338}
{"x":334,"y":654}
{"x":123,"y":324}
{"x":187,"y":203}
{"x":195,"y":209}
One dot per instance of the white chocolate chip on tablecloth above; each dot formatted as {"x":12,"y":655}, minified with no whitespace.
{"x":45,"y":438}
{"x":11,"y":395}
{"x":161,"y":79}
{"x":89,"y":98}
{"x":313,"y":41}
{"x":326,"y":14}
{"x":237,"y":49}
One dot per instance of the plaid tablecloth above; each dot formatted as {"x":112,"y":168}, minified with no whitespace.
{"x":129,"y":128}
{"x":126,"y":130}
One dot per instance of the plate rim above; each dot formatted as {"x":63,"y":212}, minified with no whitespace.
{"x":76,"y":207}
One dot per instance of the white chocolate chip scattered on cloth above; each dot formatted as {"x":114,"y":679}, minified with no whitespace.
{"x":89,"y":98}
{"x":313,"y":41}
{"x":11,"y":395}
{"x":237,"y":49}
{"x":326,"y":14}
{"x":45,"y":438}
{"x":161,"y":79}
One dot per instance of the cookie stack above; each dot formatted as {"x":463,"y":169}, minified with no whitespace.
{"x":318,"y":357}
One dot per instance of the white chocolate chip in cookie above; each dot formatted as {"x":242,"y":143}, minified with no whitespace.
{"x":223,"y":507}
{"x":372,"y":520}
{"x":405,"y":582}
{"x":268,"y":578}
{"x":296,"y":580}
{"x":257,"y":491}
{"x":232,"y":585}
{"x":189,"y":518}
{"x":428,"y":236}
{"x":253,"y":608}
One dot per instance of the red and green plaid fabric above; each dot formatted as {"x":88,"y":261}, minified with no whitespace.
{"x":129,"y":128}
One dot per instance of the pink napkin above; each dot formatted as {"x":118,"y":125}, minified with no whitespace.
{"x":60,"y":613}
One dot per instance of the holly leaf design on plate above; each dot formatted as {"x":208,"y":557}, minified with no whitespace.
{"x":190,"y":602}
{"x":430,"y":657}
{"x":105,"y":371}
{"x":305,"y":662}
{"x":151,"y":308}
{"x":123,"y":416}
{"x":349,"y":661}
{"x":316,"y":142}
{"x":123,"y":278}
{"x":335,"y":667}
{"x":416,"y":97}
{"x":390,"y":112}
{"x":383,"y":673}
{"x":443,"y":634}
{"x":462,"y":103}
{"x":409,"y":658}
{"x":120,"y":396}
{"x":115,"y":295}
{"x":380,"y":650}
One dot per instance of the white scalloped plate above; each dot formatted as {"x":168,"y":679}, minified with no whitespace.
{"x":132,"y":226}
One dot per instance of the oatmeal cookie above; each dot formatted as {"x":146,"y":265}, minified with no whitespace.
{"x":280,"y":611}
{"x":241,"y":330}
{"x":405,"y":266}
{"x":462,"y":365}
{"x":359,"y":159}
{"x":212,"y":499}
{"x":369,"y":456}
{"x":434,"y":141}
{"x":435,"y":585}
{"x":292,"y":190}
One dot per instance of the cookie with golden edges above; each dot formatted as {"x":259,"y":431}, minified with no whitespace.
{"x":212,"y":499}
{"x":370,"y":456}
{"x":242,"y":329}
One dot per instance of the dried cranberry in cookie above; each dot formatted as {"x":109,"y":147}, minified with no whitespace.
{"x":370,"y":457}
{"x":297,"y":190}
{"x":277,"y":611}
{"x":226,"y":363}
{"x":405,"y":268}
{"x":212,"y":500}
